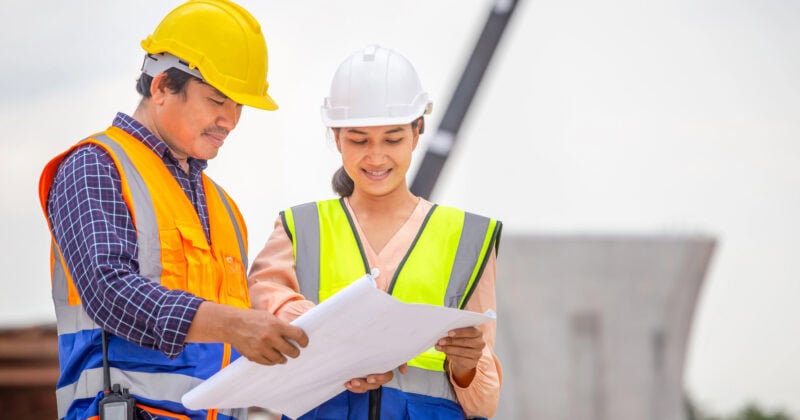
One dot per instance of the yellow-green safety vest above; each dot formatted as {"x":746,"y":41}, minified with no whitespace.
{"x":442,"y":267}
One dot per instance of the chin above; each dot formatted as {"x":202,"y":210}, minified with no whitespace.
{"x":210,"y":155}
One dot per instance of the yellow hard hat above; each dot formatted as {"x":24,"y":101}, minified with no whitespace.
{"x":224,"y":42}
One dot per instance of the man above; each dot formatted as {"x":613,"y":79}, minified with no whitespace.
{"x":149,"y":255}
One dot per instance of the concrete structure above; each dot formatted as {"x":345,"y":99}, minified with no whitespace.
{"x":596,"y":327}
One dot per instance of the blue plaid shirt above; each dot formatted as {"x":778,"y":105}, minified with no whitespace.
{"x":93,"y":226}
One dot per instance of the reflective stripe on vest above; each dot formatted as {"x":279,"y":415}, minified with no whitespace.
{"x":81,"y":334}
{"x":239,"y":236}
{"x":147,"y":237}
{"x":149,"y":244}
{"x":423,"y":382}
{"x":451,"y":244}
{"x":304,"y":224}
{"x":162,"y":386}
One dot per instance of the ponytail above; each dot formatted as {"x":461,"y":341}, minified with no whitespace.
{"x":342,"y":183}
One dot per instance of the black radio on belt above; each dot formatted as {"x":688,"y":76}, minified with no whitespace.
{"x":116,"y":403}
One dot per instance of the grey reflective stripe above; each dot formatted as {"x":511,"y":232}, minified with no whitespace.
{"x":237,"y":413}
{"x":147,"y":236}
{"x":306,"y":240}
{"x":234,"y":222}
{"x":154,"y":386}
{"x":424,"y":382}
{"x":71,"y":318}
{"x":467,"y":257}
{"x":60,"y":290}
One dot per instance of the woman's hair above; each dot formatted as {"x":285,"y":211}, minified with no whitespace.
{"x":342,"y":183}
{"x":176,"y":81}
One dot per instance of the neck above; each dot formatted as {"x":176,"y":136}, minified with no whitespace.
{"x":143,"y":115}
{"x":399,"y":201}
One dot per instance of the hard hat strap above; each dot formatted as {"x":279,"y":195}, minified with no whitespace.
{"x":157,"y":63}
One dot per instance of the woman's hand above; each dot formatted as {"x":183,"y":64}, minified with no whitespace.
{"x":463,"y":347}
{"x":374,"y":381}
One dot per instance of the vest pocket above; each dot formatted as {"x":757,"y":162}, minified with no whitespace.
{"x":234,"y":287}
{"x":201,"y":278}
{"x":173,"y":260}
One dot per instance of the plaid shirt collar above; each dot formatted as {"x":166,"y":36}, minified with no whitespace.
{"x":138,"y":131}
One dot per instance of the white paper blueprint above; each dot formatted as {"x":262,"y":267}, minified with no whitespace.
{"x":358,"y":331}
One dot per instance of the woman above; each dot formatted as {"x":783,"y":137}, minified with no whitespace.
{"x":424,"y":253}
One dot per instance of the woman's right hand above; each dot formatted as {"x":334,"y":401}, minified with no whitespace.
{"x":374,"y":381}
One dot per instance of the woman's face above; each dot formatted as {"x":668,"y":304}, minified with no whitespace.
{"x":377,"y":158}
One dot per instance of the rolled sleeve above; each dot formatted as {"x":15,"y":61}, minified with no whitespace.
{"x":481,"y":397}
{"x":273,"y":282}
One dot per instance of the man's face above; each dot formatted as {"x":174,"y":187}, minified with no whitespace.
{"x":195,"y":122}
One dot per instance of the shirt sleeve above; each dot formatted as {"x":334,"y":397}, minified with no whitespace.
{"x":93,"y":227}
{"x":481,"y":396}
{"x":273,"y":282}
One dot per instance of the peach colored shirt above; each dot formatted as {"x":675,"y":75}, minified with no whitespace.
{"x":274,"y":287}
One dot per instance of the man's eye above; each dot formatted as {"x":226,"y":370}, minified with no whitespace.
{"x":358,"y":141}
{"x":394,"y":141}
{"x":217,"y":101}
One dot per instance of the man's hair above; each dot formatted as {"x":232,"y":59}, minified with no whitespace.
{"x":176,"y":81}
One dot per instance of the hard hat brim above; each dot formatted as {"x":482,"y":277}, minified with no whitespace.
{"x":261,"y":102}
{"x":367,"y":122}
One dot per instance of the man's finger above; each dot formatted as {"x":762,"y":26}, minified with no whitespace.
{"x":285,"y":347}
{"x":297,"y":335}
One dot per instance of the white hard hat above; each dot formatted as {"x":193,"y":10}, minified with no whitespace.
{"x":375,"y":86}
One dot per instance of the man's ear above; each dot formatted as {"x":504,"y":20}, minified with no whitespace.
{"x":158,"y":88}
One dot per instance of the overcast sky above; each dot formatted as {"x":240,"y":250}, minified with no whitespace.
{"x":625,"y":116}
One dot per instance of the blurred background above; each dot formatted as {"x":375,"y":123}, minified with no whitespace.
{"x":599,"y":123}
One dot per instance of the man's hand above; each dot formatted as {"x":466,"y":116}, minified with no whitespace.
{"x":265,"y":339}
{"x":257,"y":335}
{"x":463,"y":347}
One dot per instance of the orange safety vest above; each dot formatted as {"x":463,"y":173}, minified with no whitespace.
{"x":174,"y":252}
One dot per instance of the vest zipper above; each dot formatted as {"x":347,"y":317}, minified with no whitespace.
{"x":375,"y":404}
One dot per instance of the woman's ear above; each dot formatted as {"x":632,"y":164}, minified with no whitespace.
{"x":417,"y":129}
{"x":336,"y":131}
